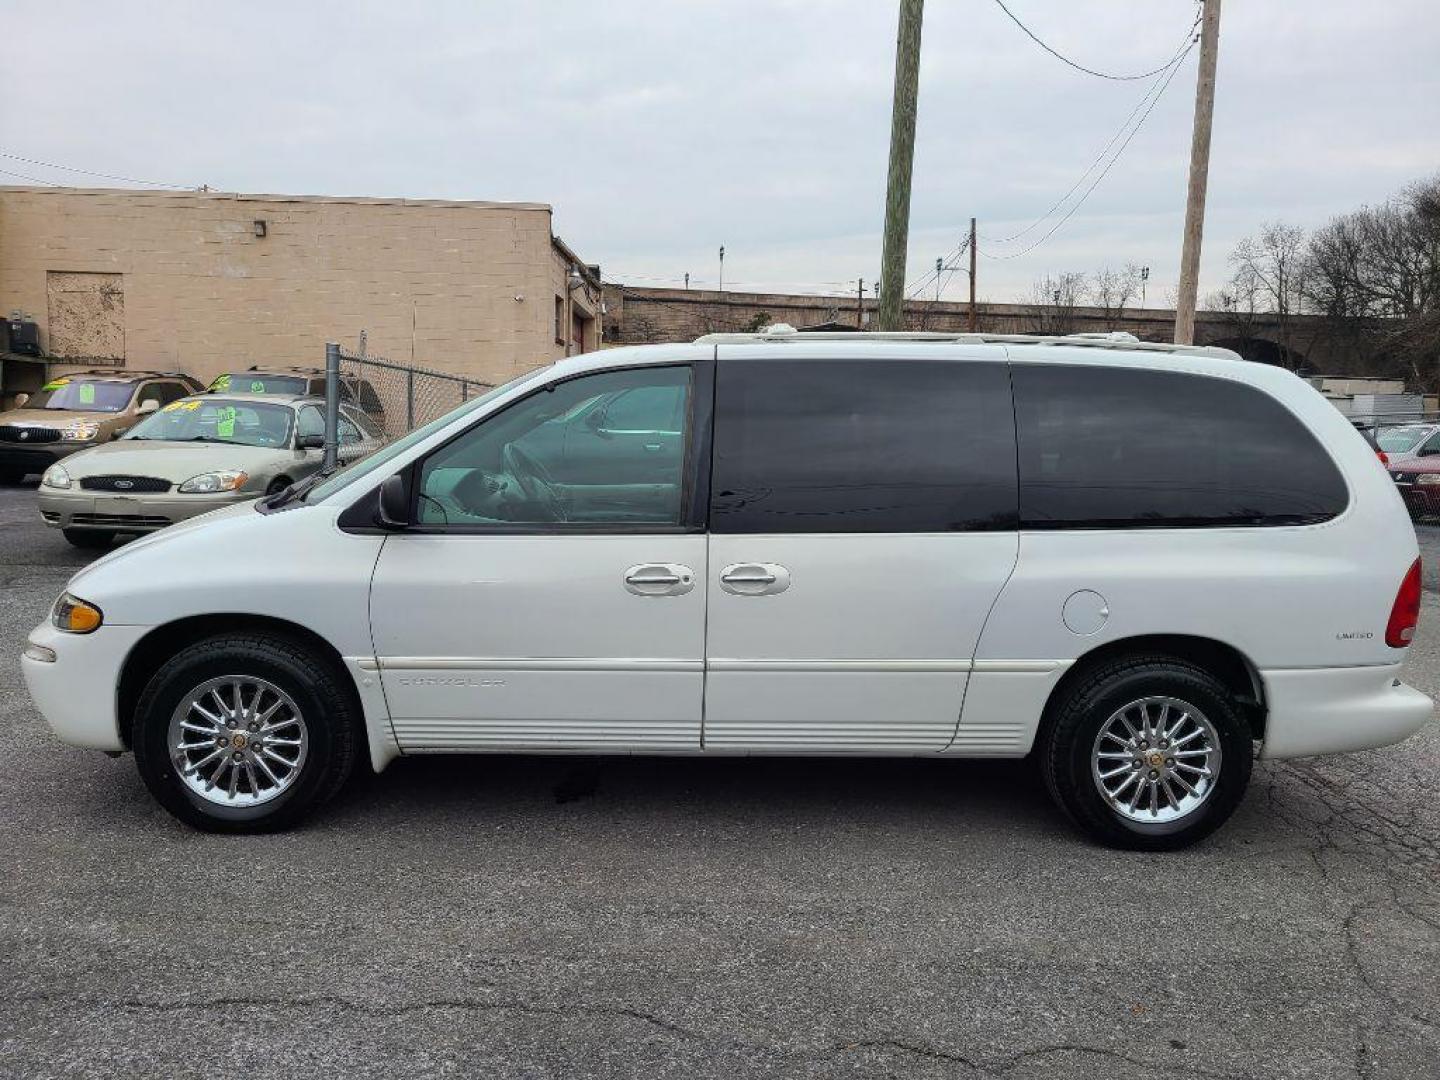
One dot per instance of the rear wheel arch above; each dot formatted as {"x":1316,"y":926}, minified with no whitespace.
{"x":1225,"y":662}
{"x":163,"y":642}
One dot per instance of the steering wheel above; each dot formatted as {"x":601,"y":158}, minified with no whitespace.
{"x":534,"y":481}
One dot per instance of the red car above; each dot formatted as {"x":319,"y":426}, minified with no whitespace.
{"x":1418,"y":481}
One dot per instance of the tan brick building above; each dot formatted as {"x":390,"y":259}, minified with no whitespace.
{"x":204,"y":281}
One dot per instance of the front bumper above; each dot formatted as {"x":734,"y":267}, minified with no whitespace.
{"x":73,"y":509}
{"x":1336,"y":710}
{"x":75,"y":692}
{"x":38,"y":457}
{"x":1422,"y":500}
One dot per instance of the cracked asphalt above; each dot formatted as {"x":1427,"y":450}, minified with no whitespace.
{"x":552,"y":917}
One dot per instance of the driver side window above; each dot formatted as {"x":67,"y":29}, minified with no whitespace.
{"x":554,"y":458}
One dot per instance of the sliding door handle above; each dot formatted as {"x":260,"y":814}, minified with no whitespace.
{"x":754,"y":579}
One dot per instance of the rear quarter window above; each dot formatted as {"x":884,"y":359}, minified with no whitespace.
{"x":1103,"y":447}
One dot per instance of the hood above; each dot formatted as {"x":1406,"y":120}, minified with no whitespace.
{"x":176,"y":461}
{"x":167,"y":535}
{"x":53,"y":417}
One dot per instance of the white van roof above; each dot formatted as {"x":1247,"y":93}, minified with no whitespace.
{"x":782,"y":332}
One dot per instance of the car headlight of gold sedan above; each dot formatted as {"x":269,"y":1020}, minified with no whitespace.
{"x":212,"y":483}
{"x":55,"y":477}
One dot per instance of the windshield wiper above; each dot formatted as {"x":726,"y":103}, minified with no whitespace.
{"x":301,"y":488}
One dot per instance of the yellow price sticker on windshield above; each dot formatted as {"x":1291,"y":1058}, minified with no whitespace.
{"x":55,"y":384}
{"x":222,"y":383}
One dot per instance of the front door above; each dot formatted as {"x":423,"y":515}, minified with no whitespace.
{"x":530,"y":611}
{"x":863,"y":521}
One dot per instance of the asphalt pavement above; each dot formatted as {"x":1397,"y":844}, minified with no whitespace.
{"x":615,"y":917}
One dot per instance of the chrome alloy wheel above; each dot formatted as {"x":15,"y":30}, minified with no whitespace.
{"x":237,"y":740}
{"x":1156,"y":760}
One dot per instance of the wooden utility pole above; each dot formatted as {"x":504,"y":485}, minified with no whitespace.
{"x":1199,"y":173}
{"x":902,"y":159}
{"x":972,"y":275}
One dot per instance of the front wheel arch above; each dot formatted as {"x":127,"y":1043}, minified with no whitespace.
{"x":164,"y":641}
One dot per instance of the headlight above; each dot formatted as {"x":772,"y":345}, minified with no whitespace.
{"x":1428,"y":478}
{"x":80,"y":431}
{"x":75,"y":616}
{"x":55,"y":477}
{"x":210,"y":483}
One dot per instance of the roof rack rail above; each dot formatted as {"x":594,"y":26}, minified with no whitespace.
{"x":125,"y":373}
{"x":782,"y":332}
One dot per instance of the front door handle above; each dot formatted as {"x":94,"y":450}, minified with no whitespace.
{"x":659,"y":579}
{"x":754,"y":579}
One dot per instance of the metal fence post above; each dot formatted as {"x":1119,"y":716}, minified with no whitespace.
{"x":409,"y":401}
{"x":332,"y":404}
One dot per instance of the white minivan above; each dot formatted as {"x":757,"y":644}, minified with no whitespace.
{"x":1140,"y":563}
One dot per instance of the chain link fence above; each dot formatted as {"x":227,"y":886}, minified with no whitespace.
{"x":400,"y":397}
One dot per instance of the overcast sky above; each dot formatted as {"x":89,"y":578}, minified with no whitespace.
{"x":661,"y":130}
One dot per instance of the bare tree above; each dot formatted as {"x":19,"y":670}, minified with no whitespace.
{"x":1111,"y":291}
{"x":1375,"y":275}
{"x":1269,"y":276}
{"x":1053,"y":300}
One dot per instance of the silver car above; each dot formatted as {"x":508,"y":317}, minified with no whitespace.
{"x":1403,"y":442}
{"x":193,"y":456}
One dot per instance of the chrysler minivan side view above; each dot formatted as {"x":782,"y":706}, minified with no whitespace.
{"x":1140,"y":564}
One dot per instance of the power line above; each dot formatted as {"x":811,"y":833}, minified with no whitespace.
{"x":86,"y":172}
{"x":1177,"y":58}
{"x":1080,"y":67}
{"x":1103,"y":173}
{"x":23,"y":176}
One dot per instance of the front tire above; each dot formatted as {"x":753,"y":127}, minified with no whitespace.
{"x":90,"y":539}
{"x":245,"y":733}
{"x":1147,"y":754}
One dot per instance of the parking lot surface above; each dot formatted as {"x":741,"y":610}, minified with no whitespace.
{"x":554,"y":917}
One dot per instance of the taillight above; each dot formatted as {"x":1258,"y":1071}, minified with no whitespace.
{"x":1406,"y":612}
{"x":1384,"y":457}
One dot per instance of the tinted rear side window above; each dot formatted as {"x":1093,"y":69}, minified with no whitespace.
{"x":862,"y":446}
{"x":1120,"y":448}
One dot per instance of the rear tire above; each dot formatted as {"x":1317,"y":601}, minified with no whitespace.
{"x":1087,"y":766}
{"x":288,"y":759}
{"x":89,"y":538}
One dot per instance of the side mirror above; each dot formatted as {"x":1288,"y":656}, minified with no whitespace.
{"x":21,"y":400}
{"x":310,"y":442}
{"x":146,"y":407}
{"x":394,"y":509}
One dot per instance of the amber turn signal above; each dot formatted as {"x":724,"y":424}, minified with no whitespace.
{"x":75,"y":616}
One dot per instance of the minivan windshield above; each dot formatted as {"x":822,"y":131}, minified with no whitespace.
{"x":378,"y":460}
{"x":82,"y":395}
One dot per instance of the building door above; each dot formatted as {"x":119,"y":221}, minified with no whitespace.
{"x":863,"y":521}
